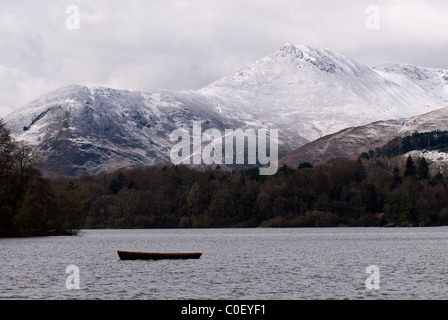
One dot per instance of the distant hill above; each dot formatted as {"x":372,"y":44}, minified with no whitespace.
{"x":352,"y":142}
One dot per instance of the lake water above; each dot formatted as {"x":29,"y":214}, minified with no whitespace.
{"x":237,"y":264}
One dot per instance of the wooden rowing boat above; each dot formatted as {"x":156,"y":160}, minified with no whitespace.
{"x":129,"y":255}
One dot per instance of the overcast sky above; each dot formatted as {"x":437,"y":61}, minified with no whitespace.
{"x":188,"y":44}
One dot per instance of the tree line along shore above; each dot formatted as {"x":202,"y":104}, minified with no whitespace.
{"x":376,"y":190}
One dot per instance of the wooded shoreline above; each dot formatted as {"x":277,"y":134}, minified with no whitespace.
{"x":341,"y":193}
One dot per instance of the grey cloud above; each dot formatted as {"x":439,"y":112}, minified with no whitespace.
{"x":187,"y":44}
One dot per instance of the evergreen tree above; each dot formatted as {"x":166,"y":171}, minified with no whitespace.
{"x":423,"y":169}
{"x":117,"y":183}
{"x":410,"y":170}
{"x":305,"y":164}
{"x":396,"y":177}
{"x":438,"y":178}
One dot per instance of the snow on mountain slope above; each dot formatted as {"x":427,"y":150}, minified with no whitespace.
{"x":433,"y":80}
{"x":78,"y":130}
{"x":351,"y":142}
{"x":310,"y":92}
{"x":305,"y":92}
{"x":437,"y":160}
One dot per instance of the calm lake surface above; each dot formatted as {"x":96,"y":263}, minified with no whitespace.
{"x":260,"y":264}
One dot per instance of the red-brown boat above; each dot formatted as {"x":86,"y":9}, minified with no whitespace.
{"x":130,"y":255}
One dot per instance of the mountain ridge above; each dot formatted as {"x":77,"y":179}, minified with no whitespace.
{"x":351,"y":142}
{"x":305,"y":92}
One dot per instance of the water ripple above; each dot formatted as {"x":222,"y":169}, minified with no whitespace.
{"x":265,"y":264}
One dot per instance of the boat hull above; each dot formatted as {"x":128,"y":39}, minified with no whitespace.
{"x":130,"y":255}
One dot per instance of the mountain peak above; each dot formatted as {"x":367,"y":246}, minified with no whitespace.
{"x":318,"y":59}
{"x":290,"y":49}
{"x":301,"y":52}
{"x":305,"y":92}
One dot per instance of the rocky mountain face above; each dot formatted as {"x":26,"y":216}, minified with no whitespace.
{"x":304,"y":92}
{"x":76,"y":130}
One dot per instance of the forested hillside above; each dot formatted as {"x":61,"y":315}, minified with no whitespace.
{"x":433,"y":140}
{"x":28,"y":203}
{"x":340,"y":193}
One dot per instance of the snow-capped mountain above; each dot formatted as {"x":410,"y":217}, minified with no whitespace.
{"x":351,"y":142}
{"x":78,"y":130}
{"x":304,"y":92}
{"x":310,"y":92}
{"x":432,"y":80}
